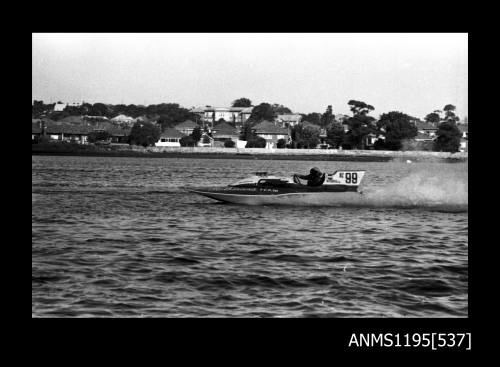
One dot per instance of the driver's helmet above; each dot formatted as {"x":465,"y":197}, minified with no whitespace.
{"x":315,"y":171}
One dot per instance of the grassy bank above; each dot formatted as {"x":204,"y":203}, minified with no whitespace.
{"x":70,"y":149}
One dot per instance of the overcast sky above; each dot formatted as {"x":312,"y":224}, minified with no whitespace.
{"x":412,"y":73}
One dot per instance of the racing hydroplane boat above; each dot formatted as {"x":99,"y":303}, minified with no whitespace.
{"x":262,"y":189}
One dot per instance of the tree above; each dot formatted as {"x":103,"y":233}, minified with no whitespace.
{"x":281,"y":143}
{"x":263,"y":111}
{"x":310,"y":136}
{"x":279,"y":109}
{"x":327,"y":118}
{"x":170,"y":114}
{"x":242,"y":102}
{"x":100,"y":109}
{"x":359,"y":107}
{"x":229,"y":143}
{"x":187,"y":141}
{"x":246,"y":132}
{"x":256,"y":142}
{"x":335,"y":134}
{"x":449,"y":113}
{"x":96,"y":136}
{"x":433,"y":118}
{"x":305,"y":136}
{"x":448,"y":137}
{"x":397,"y":126}
{"x":144,"y":133}
{"x":196,"y":134}
{"x":39,"y":109}
{"x":313,"y":118}
{"x":360,"y":125}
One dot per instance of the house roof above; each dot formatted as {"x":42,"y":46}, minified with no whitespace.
{"x":35,"y":128}
{"x":117,"y":131}
{"x":197,"y":110}
{"x":188,"y":124}
{"x":268,"y":127}
{"x":307,"y":123}
{"x":290,"y":117}
{"x":341,"y":117}
{"x":422,"y":136}
{"x":68,"y":129}
{"x":247,"y":110}
{"x":122,"y":118}
{"x":73,"y":119}
{"x":425,"y":126}
{"x":224,"y":129}
{"x":172,"y":133}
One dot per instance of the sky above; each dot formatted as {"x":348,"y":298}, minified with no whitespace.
{"x":415,"y":73}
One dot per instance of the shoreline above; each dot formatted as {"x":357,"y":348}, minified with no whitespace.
{"x":252,"y":154}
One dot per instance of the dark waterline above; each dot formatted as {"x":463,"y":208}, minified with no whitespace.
{"x":120,"y":237}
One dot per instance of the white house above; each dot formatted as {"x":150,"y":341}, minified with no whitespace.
{"x":170,"y":138}
{"x":123,"y":119}
{"x":59,"y":107}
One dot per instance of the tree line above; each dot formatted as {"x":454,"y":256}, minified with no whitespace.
{"x":394,"y":127}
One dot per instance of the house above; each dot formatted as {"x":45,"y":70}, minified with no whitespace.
{"x":464,"y":129}
{"x":59,"y":106}
{"x":426,"y":128}
{"x":289,"y":119}
{"x":186,"y":127}
{"x":170,"y":138}
{"x":210,"y":115}
{"x":69,"y":133}
{"x":206,"y":140}
{"x":370,"y":140}
{"x":118,"y":135}
{"x":245,"y":114}
{"x":123,"y":119}
{"x":424,"y":137}
{"x":464,"y":145}
{"x":74,"y":120}
{"x":272,"y":133}
{"x":36,"y":129}
{"x":341,"y":118}
{"x":223,"y":132}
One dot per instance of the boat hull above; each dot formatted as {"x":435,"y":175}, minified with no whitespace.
{"x":319,"y":198}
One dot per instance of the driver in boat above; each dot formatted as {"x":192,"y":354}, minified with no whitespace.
{"x":314,"y":178}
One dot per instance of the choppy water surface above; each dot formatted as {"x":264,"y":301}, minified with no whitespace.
{"x":119,"y":237}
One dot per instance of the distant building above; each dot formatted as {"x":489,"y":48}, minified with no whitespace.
{"x":223,"y":132}
{"x":289,"y":119}
{"x":341,"y":118}
{"x":59,"y":106}
{"x":424,"y":137}
{"x":271,"y":133}
{"x":211,"y":115}
{"x":464,"y":145}
{"x":36,"y":129}
{"x":123,"y":119}
{"x":426,"y":128}
{"x":170,"y":138}
{"x":464,"y":129}
{"x":70,"y":133}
